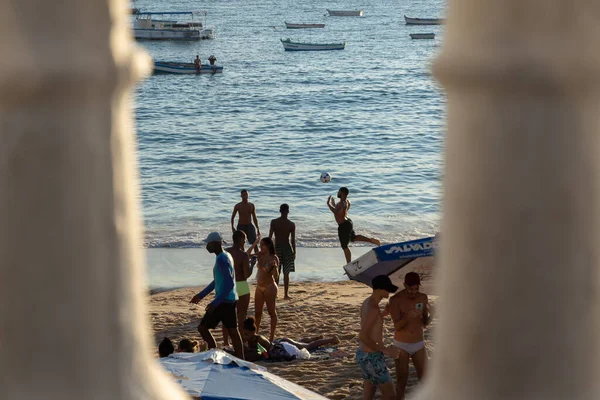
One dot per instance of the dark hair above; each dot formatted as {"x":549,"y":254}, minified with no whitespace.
{"x":412,"y":279}
{"x":239,"y":235}
{"x":165,"y":347}
{"x":284,"y":208}
{"x":187,"y":346}
{"x":243,"y":191}
{"x":249,"y":324}
{"x":269,"y":242}
{"x":345,"y":190}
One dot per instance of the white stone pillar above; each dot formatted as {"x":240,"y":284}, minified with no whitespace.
{"x":72,"y":312}
{"x":519,"y":260}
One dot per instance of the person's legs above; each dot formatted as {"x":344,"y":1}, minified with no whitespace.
{"x":348,"y":255}
{"x":270,"y":299}
{"x":236,"y":340}
{"x":207,"y":336}
{"x":419,"y":360}
{"x":286,"y":286}
{"x":345,"y":235}
{"x":322,"y":342}
{"x":259,"y":303}
{"x":311,"y":339}
{"x":368,"y":390}
{"x":387,"y":391}
{"x":361,"y":238}
{"x":242,"y":308}
{"x":401,"y":373}
{"x":225,"y":336}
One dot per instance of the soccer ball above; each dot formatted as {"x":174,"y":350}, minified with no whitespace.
{"x":325,"y":177}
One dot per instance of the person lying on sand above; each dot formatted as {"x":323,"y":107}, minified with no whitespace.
{"x":187,"y":346}
{"x":165,"y":348}
{"x":256,"y":345}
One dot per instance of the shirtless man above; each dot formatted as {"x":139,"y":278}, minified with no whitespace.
{"x":370,"y":353}
{"x":283,"y":228}
{"x":197,"y":63}
{"x":345,"y":228}
{"x":247,"y":211}
{"x":410,"y":312}
{"x":241,"y":265}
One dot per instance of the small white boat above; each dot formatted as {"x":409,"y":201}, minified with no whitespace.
{"x":422,"y":35}
{"x":168,"y":67}
{"x":345,"y":13}
{"x":288,"y":45}
{"x":303,"y":26}
{"x":423,"y":21}
{"x":146,"y":27}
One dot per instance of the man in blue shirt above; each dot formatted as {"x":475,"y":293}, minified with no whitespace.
{"x":223,"y":307}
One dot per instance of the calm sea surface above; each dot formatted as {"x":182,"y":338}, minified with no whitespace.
{"x":371,"y":115}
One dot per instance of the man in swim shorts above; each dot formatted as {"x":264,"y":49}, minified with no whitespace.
{"x":410,"y":312}
{"x":284,"y":230}
{"x":370,"y":354}
{"x":247,"y":212}
{"x":345,"y":227}
{"x":241,"y":265}
{"x":223,"y":307}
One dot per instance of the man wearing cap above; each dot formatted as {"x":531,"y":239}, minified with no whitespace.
{"x":370,"y":354}
{"x":410,"y":312}
{"x":223,"y":307}
{"x":284,"y":230}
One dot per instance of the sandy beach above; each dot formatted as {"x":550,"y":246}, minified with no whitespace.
{"x":327,"y":308}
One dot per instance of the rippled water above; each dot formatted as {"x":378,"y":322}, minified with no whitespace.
{"x":371,"y":116}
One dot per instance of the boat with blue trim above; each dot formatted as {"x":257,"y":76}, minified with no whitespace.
{"x":170,"y":67}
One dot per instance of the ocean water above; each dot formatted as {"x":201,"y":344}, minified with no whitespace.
{"x":371,"y":115}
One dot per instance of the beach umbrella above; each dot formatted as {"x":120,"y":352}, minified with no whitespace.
{"x":385,"y":260}
{"x":216,"y":375}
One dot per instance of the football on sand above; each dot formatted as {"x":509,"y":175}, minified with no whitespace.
{"x":325,"y":177}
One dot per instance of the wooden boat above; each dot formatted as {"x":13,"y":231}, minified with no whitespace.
{"x":168,"y":67}
{"x":423,"y":21}
{"x":345,"y":13}
{"x":422,"y":35}
{"x":303,"y":26}
{"x":288,"y":45}
{"x":147,"y":27}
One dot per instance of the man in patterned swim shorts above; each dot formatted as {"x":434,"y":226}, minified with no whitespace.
{"x":370,"y":354}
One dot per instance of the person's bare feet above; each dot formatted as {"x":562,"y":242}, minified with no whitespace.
{"x":336,"y":339}
{"x":376,"y":242}
{"x":287,"y":298}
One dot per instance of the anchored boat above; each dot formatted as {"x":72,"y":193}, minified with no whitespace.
{"x":303,"y":26}
{"x":422,"y":35}
{"x":147,"y":26}
{"x":288,"y":45}
{"x":423,"y":21}
{"x":169,"y":67}
{"x":345,"y":13}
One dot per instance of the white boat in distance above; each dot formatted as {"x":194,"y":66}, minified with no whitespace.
{"x":422,"y":35}
{"x":345,"y":13}
{"x":288,"y":45}
{"x":146,"y":27}
{"x":303,"y":26}
{"x":423,"y":21}
{"x":168,"y":67}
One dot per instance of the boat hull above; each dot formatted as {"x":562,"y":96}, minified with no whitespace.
{"x":423,"y":21}
{"x":172,"y":34}
{"x":303,"y":26}
{"x":293,"y":46}
{"x":342,"y":13}
{"x":422,"y":35}
{"x":163,"y":67}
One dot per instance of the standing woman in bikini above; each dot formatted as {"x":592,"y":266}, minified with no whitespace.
{"x":266,"y":283}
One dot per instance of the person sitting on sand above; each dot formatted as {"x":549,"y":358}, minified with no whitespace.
{"x":165,"y":348}
{"x":370,"y":354}
{"x":285,"y":234}
{"x":266,"y":283}
{"x":410,"y":312}
{"x":241,"y":264}
{"x":345,"y":228}
{"x":256,"y":345}
{"x":187,"y":346}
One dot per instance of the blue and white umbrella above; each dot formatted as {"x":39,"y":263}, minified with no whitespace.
{"x":216,"y":375}
{"x":385,"y":260}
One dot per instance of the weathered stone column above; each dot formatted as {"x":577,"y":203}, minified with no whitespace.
{"x":72,"y":323}
{"x":520,"y":240}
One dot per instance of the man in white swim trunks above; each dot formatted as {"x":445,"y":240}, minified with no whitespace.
{"x":410,"y":312}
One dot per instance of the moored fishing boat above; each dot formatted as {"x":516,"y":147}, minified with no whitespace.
{"x":345,"y":13}
{"x":422,"y":35}
{"x":288,"y":45}
{"x":303,"y":26}
{"x":147,"y":27}
{"x":423,"y":21}
{"x":169,"y":67}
